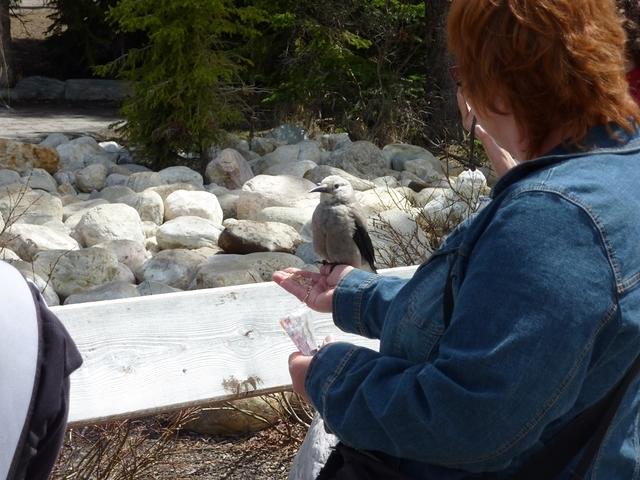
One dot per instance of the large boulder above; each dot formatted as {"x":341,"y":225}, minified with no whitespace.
{"x":246,"y":236}
{"x":92,"y":177}
{"x":9,"y":177}
{"x":20,"y":204}
{"x":54,"y":139}
{"x":128,"y":252}
{"x":74,"y":271}
{"x":22,"y":157}
{"x":196,"y":204}
{"x":181,"y":174}
{"x":148,"y":204}
{"x":175,"y":268}
{"x":142,"y":180}
{"x":294,"y":217}
{"x":289,"y":155}
{"x":274,"y":191}
{"x":362,"y":159}
{"x":229,"y":169}
{"x":115,"y":221}
{"x":27,"y":240}
{"x":40,"y":179}
{"x":228,"y":199}
{"x":46,"y":289}
{"x":75,"y":153}
{"x":380,"y":199}
{"x":188,"y":232}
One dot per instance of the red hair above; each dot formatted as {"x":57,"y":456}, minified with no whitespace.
{"x":556,"y":64}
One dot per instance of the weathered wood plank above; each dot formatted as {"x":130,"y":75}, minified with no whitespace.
{"x":151,"y":354}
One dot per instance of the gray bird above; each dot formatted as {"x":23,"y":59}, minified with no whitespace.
{"x":340,"y":233}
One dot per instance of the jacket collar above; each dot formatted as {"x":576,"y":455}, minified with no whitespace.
{"x":600,"y":139}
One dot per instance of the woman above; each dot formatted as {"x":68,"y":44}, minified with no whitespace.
{"x":529,"y":314}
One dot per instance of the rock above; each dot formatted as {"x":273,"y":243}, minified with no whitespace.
{"x":115,"y":221}
{"x":65,"y":178}
{"x":429,"y":170}
{"x":362,"y":159}
{"x":294,"y":217}
{"x":54,"y":139}
{"x":75,"y":271}
{"x":124,"y":274}
{"x":149,"y":228}
{"x":66,"y":190}
{"x":297,"y":169}
{"x":262,"y":145}
{"x":426,"y":195}
{"x":180,"y":174}
{"x":48,"y":293}
{"x":92,"y":177}
{"x":188,"y":232}
{"x":108,"y":291}
{"x":262,"y":263}
{"x":470,"y":184}
{"x":399,"y":153}
{"x":121,"y":155}
{"x":334,"y":141}
{"x":80,"y":208}
{"x":175,"y":268}
{"x":225,"y":420}
{"x":307,"y":254}
{"x":74,"y":155}
{"x":96,"y":90}
{"x":40,"y":179}
{"x":323,"y":171}
{"x":388,"y":181}
{"x":165,"y":190}
{"x":113,"y":194}
{"x":151,"y":244}
{"x":288,"y":155}
{"x":27,"y":240}
{"x":20,"y":204}
{"x":39,"y":88}
{"x":23,"y":157}
{"x":381,"y":199}
{"x":7,"y":254}
{"x":9,"y":177}
{"x":143,"y":180}
{"x":287,"y":134}
{"x":269,"y":191}
{"x":197,"y":204}
{"x":227,"y":199}
{"x":213,"y":277}
{"x":154,"y":288}
{"x":228,"y":169}
{"x":149,"y":205}
{"x":246,"y":236}
{"x":116,"y":179}
{"x":397,"y":238}
{"x":128,"y":252}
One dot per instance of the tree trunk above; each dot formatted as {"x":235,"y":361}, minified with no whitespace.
{"x":445,"y":118}
{"x":5,"y":44}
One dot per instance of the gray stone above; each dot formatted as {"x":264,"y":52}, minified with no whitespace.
{"x":109,"y":222}
{"x":154,"y":288}
{"x":165,"y":190}
{"x":80,"y":207}
{"x":143,"y":180}
{"x":188,"y":232}
{"x":96,"y":90}
{"x":228,"y":200}
{"x":264,"y":263}
{"x":75,"y":271}
{"x":297,"y":169}
{"x":294,"y":217}
{"x":40,"y":179}
{"x":39,"y":88}
{"x":113,"y":194}
{"x":92,"y":177}
{"x":323,"y":171}
{"x":334,"y":141}
{"x":262,"y":145}
{"x":128,"y":252}
{"x":108,"y":291}
{"x":176,"y":268}
{"x":9,"y":177}
{"x":362,"y":159}
{"x":288,"y":134}
{"x":116,"y":179}
{"x":46,"y":289}
{"x":246,"y":236}
{"x":229,"y":169}
{"x":181,"y":174}
{"x":27,"y":240}
{"x":23,"y":205}
{"x":55,"y":139}
{"x":399,"y":153}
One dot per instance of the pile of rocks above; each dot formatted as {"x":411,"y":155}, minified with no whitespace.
{"x":86,"y":223}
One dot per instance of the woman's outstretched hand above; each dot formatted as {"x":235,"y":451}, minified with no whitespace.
{"x":314,"y":289}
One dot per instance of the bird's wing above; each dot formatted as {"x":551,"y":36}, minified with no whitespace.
{"x":363,"y":241}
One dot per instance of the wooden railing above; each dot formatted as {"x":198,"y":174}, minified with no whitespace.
{"x":151,"y":354}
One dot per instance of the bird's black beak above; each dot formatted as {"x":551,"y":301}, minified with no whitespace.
{"x":319,"y":188}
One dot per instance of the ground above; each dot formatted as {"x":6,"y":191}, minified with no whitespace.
{"x":138,"y":448}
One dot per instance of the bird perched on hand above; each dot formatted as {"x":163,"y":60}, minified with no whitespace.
{"x":340,"y":233}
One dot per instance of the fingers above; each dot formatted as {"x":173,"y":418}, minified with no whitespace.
{"x":337,"y":274}
{"x":295,"y":281}
{"x":465,"y":110}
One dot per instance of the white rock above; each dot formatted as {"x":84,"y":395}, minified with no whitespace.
{"x":426,"y":169}
{"x":143,"y":180}
{"x":149,"y":205}
{"x":381,"y":199}
{"x":165,"y":190}
{"x":74,"y":271}
{"x":46,"y":289}
{"x":115,"y":221}
{"x":175,"y":268}
{"x":306,"y":151}
{"x":270,"y":191}
{"x":188,"y":232}
{"x":149,"y":228}
{"x":181,"y":174}
{"x":294,"y":217}
{"x":40,"y":179}
{"x":129,"y":253}
{"x":80,"y":207}
{"x":8,"y":254}
{"x":23,"y":205}
{"x":197,"y":204}
{"x":108,"y":291}
{"x":27,"y":240}
{"x":92,"y":177}
{"x":66,"y":190}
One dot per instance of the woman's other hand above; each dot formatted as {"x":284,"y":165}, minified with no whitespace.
{"x":501,"y":159}
{"x":314,"y":289}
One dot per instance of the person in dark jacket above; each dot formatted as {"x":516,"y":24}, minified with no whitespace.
{"x":37,"y":355}
{"x":527,"y":318}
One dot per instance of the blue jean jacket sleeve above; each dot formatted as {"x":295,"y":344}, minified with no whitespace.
{"x":361,"y":301}
{"x":527,"y":315}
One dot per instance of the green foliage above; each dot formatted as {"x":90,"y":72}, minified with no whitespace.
{"x":186,"y":75}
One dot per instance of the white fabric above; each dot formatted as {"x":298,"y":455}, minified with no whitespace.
{"x":18,"y":359}
{"x":313,"y":452}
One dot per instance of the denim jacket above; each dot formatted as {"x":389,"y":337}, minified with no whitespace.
{"x":545,"y":321}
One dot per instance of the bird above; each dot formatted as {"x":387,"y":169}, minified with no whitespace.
{"x":339,"y":230}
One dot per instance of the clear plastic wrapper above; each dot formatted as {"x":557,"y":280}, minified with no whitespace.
{"x":299,"y":328}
